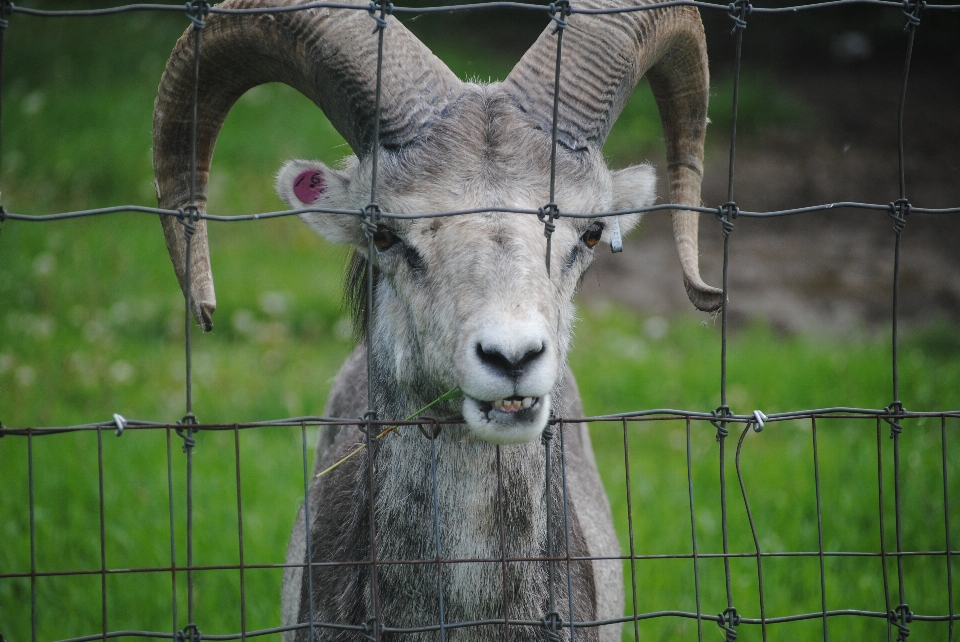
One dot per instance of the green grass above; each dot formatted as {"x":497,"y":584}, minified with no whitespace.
{"x":91,"y":323}
{"x":621,"y":367}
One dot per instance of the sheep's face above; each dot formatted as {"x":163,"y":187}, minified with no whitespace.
{"x":466,"y":300}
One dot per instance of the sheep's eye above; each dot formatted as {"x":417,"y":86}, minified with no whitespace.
{"x":592,"y":236}
{"x":383,"y":238}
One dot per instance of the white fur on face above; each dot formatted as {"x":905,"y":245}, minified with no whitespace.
{"x":466,"y":301}
{"x":506,"y":357}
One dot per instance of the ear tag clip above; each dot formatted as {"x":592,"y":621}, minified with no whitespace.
{"x":616,"y":241}
{"x":308,"y":186}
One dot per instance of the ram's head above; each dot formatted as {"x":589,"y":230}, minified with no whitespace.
{"x":463,"y":300}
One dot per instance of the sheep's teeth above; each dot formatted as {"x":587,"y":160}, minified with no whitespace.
{"x":513,"y":405}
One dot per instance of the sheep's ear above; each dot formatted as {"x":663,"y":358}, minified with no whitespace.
{"x":633,"y":187}
{"x":302,"y":183}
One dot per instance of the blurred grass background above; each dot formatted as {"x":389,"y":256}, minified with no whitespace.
{"x":91,"y":323}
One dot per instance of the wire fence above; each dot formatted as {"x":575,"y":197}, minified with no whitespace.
{"x":899,"y":618}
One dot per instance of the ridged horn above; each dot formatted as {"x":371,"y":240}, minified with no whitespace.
{"x":604,"y":56}
{"x":329,"y":55}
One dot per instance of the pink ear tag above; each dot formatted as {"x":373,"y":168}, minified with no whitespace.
{"x":309,"y":185}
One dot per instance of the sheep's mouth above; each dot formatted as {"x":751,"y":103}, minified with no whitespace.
{"x":509,"y":405}
{"x":511,"y":420}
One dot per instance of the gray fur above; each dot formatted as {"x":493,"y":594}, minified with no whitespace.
{"x":469,"y":529}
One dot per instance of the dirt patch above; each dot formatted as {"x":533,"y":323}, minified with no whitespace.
{"x":829,"y":271}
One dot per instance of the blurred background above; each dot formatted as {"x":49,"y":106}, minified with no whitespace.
{"x":91,"y":323}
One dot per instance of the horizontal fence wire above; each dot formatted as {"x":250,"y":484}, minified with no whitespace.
{"x":190,"y":8}
{"x":559,"y":560}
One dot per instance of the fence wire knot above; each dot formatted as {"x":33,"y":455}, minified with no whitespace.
{"x":721,"y":413}
{"x":186,"y":434}
{"x":726,"y":214}
{"x":370,"y":628}
{"x":385,"y":8}
{"x":547,"y":215}
{"x":370,"y":217}
{"x":196,"y":11}
{"x":188,"y":217}
{"x":559,"y":12}
{"x":434,"y":430}
{"x":370,"y":415}
{"x":900,"y":617}
{"x":728,"y":620}
{"x":738,"y":12}
{"x":912,"y":12}
{"x":120,"y":422}
{"x":190,"y":633}
{"x":896,"y":408}
{"x":551,"y":623}
{"x":898,"y":210}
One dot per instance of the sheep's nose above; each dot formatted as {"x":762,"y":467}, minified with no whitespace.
{"x":510,"y":360}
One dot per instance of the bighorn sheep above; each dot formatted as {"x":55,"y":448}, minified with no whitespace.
{"x":460,"y":301}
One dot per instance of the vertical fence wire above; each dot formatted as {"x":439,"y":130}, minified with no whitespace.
{"x":566,"y":531}
{"x":194,"y":13}
{"x":729,"y":618}
{"x":307,"y":522}
{"x":946,"y":525}
{"x":820,"y":556}
{"x":693,"y":536}
{"x":551,"y":617}
{"x":372,"y":214}
{"x":883,"y":545}
{"x":503,"y":547}
{"x":173,"y":536}
{"x":103,"y":544}
{"x":728,"y":211}
{"x":552,"y":620}
{"x":902,"y":615}
{"x":33,"y":540}
{"x":549,"y":213}
{"x":243,"y":584}
{"x":190,"y":219}
{"x":633,"y":552}
{"x":436,"y":531}
{"x":188,"y":448}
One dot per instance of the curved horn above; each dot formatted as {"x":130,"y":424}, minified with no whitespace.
{"x":329,"y":55}
{"x":605,"y":56}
